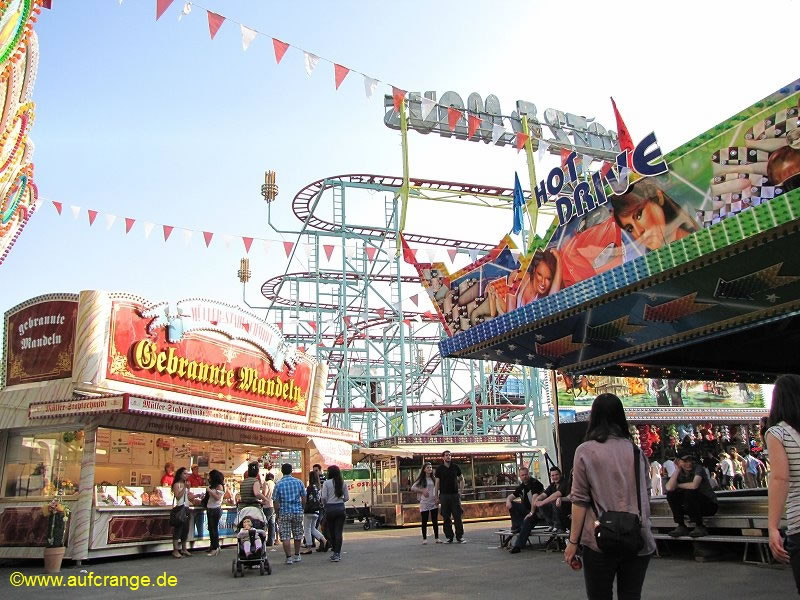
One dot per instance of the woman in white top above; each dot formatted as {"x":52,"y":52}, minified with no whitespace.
{"x":182,"y":496}
{"x":334,"y":495}
{"x":425,"y":487}
{"x":726,"y":466}
{"x":783,"y":443}
{"x":215,"y":492}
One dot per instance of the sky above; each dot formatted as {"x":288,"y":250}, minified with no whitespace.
{"x":155,"y":121}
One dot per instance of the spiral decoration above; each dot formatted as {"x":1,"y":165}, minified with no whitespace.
{"x":19,"y":60}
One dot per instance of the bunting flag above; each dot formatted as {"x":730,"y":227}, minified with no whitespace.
{"x":381,"y":313}
{"x":521,"y":139}
{"x":215,"y":21}
{"x":473,"y":255}
{"x":207,"y":235}
{"x":311,"y":61}
{"x":312,"y":324}
{"x":185,"y":11}
{"x":369,"y":86}
{"x":58,"y":206}
{"x":339,"y":73}
{"x":543,"y":147}
{"x":407,"y":322}
{"x":624,"y":136}
{"x":398,"y":96}
{"x":453,"y":116}
{"x":371,"y":251}
{"x":247,"y":241}
{"x":288,"y":247}
{"x":161,"y":6}
{"x":279,"y":325}
{"x":129,"y":224}
{"x":498,"y":131}
{"x":409,"y":255}
{"x":167,"y":231}
{"x":473,"y":124}
{"x":267,"y":245}
{"x":187,"y":237}
{"x":328,"y":250}
{"x":76,"y":210}
{"x":519,"y":203}
{"x":92,"y":216}
{"x":148,"y":227}
{"x":280,"y":49}
{"x":415,"y":299}
{"x":248,"y":35}
{"x":427,"y":107}
{"x":227,"y":239}
{"x":452,"y":253}
{"x":346,"y":320}
{"x":110,"y":219}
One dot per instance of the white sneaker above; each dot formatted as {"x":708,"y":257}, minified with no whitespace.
{"x":296,"y":558}
{"x":289,"y":560}
{"x":424,"y":542}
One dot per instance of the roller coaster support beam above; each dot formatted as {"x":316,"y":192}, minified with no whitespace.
{"x":533,"y":210}
{"x":405,"y":187}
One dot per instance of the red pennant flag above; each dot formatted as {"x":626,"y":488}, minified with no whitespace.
{"x":161,"y":6}
{"x":521,"y":139}
{"x":328,"y":250}
{"x":452,"y":253}
{"x":381,"y":312}
{"x":214,"y":323}
{"x":248,"y":241}
{"x":415,"y":299}
{"x":398,"y":95}
{"x":280,"y":49}
{"x":473,"y":124}
{"x":167,"y":231}
{"x":564,"y":156}
{"x":207,"y":235}
{"x":320,"y":345}
{"x":58,"y":206}
{"x":47,"y":4}
{"x":624,"y":136}
{"x":407,"y":322}
{"x":92,"y":216}
{"x":279,"y":325}
{"x":453,"y":115}
{"x":215,"y":21}
{"x":128,"y":224}
{"x":287,"y":246}
{"x":371,"y":250}
{"x":301,"y":348}
{"x":312,"y":324}
{"x":346,"y":321}
{"x":246,"y":327}
{"x":339,"y":73}
{"x":409,"y":255}
{"x":428,"y":314}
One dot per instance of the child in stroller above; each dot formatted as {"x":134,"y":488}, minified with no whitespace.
{"x":250,"y":522}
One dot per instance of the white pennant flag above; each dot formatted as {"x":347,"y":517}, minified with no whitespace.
{"x":497,"y":132}
{"x":76,"y":210}
{"x":309,"y":249}
{"x":350,"y":252}
{"x":267,"y":244}
{"x":587,"y":163}
{"x":110,"y":221}
{"x":433,"y":254}
{"x":369,"y":85}
{"x":187,"y":236}
{"x":427,"y":107}
{"x":543,"y":147}
{"x":227,"y":238}
{"x":311,"y":62}
{"x":473,"y":255}
{"x":187,"y":8}
{"x":148,"y":228}
{"x":248,"y":35}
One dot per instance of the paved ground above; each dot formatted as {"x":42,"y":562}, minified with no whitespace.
{"x":391,"y":563}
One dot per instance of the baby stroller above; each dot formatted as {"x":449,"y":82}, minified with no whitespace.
{"x":259,"y":558}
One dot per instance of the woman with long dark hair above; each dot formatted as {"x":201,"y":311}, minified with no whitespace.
{"x":215,"y":491}
{"x":311,"y":510}
{"x":603,"y":480}
{"x":334,"y":495}
{"x":783,"y":444}
{"x":182,"y":497}
{"x":425,"y":487}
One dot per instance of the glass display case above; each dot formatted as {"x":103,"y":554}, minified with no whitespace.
{"x":43,"y":464}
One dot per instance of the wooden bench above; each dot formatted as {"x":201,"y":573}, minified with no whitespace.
{"x":540,"y":532}
{"x":752,"y":537}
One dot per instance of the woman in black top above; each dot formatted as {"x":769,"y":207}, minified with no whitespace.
{"x":311,"y":512}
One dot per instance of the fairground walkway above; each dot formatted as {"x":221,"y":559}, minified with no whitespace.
{"x":390,"y":563}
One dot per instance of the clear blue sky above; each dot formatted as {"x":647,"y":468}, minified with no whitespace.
{"x":153,"y":120}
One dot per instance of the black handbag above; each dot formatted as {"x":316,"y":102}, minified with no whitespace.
{"x":179,"y":516}
{"x":618,"y":532}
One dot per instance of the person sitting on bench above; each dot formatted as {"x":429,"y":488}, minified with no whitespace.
{"x":553,"y":504}
{"x":520,"y":507}
{"x":689,"y":493}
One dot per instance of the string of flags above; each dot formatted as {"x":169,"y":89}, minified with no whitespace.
{"x":165,"y":232}
{"x":340,"y":73}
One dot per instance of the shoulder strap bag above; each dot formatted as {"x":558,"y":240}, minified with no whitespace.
{"x":179,"y":515}
{"x":618,"y":532}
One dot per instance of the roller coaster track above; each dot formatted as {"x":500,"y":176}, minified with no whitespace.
{"x":302,"y":206}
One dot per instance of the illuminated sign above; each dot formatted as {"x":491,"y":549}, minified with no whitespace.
{"x":568,"y":129}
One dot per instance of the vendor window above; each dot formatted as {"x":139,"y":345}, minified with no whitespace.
{"x":43,"y":464}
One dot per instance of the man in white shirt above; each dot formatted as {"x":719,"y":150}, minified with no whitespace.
{"x":669,"y":467}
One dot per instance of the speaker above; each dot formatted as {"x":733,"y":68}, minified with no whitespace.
{"x":571,"y":436}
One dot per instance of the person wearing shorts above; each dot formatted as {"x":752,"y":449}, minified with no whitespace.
{"x":289,"y":499}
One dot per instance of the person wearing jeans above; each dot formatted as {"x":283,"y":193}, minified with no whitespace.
{"x":215,"y":491}
{"x":425,"y":487}
{"x":311,"y":512}
{"x":689,"y":492}
{"x":449,"y":486}
{"x":269,"y":508}
{"x":334,"y":495}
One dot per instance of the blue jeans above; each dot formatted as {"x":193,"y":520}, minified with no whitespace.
{"x":269,"y":513}
{"x":792,"y":545}
{"x":213,"y":515}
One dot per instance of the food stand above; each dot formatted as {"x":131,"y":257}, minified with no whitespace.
{"x":101,"y":390}
{"x":489,"y":463}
